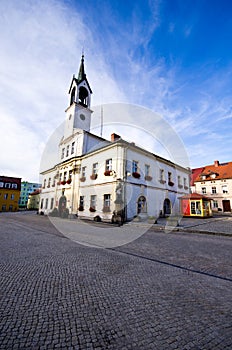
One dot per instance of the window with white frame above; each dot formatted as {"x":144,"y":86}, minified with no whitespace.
{"x":224,"y":189}
{"x":5,"y":195}
{"x":108,"y":165}
{"x":65,"y":176}
{"x":81,"y":202}
{"x":44,"y":183}
{"x":41,"y":204}
{"x":135,"y":166}
{"x":49,"y":182}
{"x":52,"y":203}
{"x":203,"y":190}
{"x":62,"y":153}
{"x":161,"y":174}
{"x":1,"y":184}
{"x":7,"y":185}
{"x":67,"y":151}
{"x":107,"y":201}
{"x":12,"y":197}
{"x":46,"y":203}
{"x":70,"y":174}
{"x":14,"y":186}
{"x":93,"y":200}
{"x":215,"y":204}
{"x":95,"y":168}
{"x":73,"y":147}
{"x":83,"y":171}
{"x":214,"y":190}
{"x":147,"y":170}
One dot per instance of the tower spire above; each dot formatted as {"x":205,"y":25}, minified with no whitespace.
{"x":81,"y":74}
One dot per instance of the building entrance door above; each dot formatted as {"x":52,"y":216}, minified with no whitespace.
{"x":226,"y":205}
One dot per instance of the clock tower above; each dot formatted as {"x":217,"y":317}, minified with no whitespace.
{"x":78,"y":113}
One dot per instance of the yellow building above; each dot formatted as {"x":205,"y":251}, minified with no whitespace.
{"x":10,"y":188}
{"x":33,"y":200}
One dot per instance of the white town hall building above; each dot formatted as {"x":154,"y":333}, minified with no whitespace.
{"x":97,"y":179}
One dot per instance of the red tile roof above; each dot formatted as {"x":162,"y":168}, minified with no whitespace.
{"x":194,"y":196}
{"x":222,"y":171}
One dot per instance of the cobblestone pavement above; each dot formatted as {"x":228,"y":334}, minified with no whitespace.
{"x":161,"y":291}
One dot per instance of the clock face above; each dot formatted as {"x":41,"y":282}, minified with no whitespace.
{"x":82,"y":116}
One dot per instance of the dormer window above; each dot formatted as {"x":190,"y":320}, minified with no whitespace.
{"x":213,"y":176}
{"x":203,"y":177}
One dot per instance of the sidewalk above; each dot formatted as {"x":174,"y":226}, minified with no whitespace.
{"x":221,"y":225}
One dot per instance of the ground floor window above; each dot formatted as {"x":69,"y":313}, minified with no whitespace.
{"x":46,"y":203}
{"x":195,"y":207}
{"x":41,"y":205}
{"x":167,"y":207}
{"x":107,"y":198}
{"x":52,"y":203}
{"x":4,"y":208}
{"x":215,"y":204}
{"x":93,"y":200}
{"x":81,"y":203}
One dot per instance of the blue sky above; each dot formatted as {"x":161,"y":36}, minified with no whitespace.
{"x":172,"y":57}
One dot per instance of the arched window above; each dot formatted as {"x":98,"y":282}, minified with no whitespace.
{"x":83,"y":96}
{"x":72,"y":99}
{"x":142,"y":205}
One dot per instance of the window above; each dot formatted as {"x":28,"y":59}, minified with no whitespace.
{"x":81,"y":203}
{"x":70,"y":174}
{"x":65,"y":175}
{"x":215,"y":204}
{"x":224,"y":189}
{"x":67,"y":151}
{"x":147,"y":170}
{"x":14,"y":185}
{"x":179,"y":180}
{"x":106,"y":202}
{"x":44,"y":183}
{"x":3,"y":207}
{"x":1,"y":184}
{"x":169,"y":176}
{"x":162,"y":175}
{"x":73,"y":147}
{"x":41,"y":205}
{"x":93,"y":199}
{"x":214,"y":190}
{"x":196,"y":207}
{"x":95,"y":168}
{"x":203,"y":190}
{"x":7,"y":185}
{"x":49,"y":182}
{"x":135,"y":166}
{"x":46,"y":203}
{"x":12,"y":197}
{"x":83,"y":172}
{"x":52,"y":203}
{"x":109,"y":164}
{"x":5,"y":195}
{"x":10,"y":207}
{"x":60,"y":177}
{"x":185,"y":183}
{"x":62,"y":153}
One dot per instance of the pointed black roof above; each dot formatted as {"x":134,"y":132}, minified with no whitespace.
{"x":81,"y":75}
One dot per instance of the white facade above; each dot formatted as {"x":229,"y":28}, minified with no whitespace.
{"x":215,"y":182}
{"x":96,"y":178}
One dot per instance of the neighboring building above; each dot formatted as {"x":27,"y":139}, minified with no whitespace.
{"x":215,"y":182}
{"x":9,"y":193}
{"x":196,"y":205}
{"x":96,"y":178}
{"x":26,"y":189}
{"x":33,"y":200}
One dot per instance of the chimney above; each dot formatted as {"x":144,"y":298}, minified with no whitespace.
{"x":115,"y":137}
{"x":216,"y":163}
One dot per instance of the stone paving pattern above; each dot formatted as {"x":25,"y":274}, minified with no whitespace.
{"x":162,"y":291}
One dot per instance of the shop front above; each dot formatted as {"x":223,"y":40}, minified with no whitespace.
{"x":195,"y":205}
